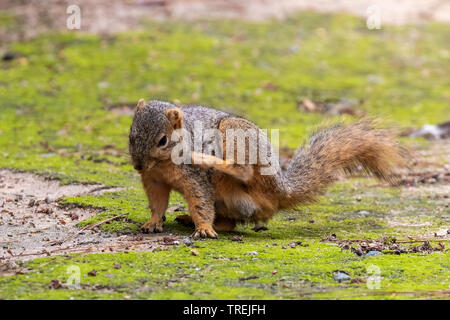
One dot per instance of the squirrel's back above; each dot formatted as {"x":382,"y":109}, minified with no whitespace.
{"x":208,"y":117}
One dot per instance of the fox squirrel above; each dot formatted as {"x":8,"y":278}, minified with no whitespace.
{"x":221,"y":193}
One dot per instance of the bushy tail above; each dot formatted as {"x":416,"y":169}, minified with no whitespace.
{"x":341,"y":149}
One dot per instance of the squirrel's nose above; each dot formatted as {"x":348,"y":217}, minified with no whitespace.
{"x":138,"y":166}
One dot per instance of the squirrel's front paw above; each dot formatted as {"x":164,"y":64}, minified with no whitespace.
{"x":205,"y":231}
{"x":152,"y":227}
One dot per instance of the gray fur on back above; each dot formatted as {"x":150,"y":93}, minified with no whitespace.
{"x":210,"y":118}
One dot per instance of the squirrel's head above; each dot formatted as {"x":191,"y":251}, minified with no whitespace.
{"x":151,"y":131}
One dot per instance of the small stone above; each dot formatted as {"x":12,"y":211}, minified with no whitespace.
{"x":373,"y":253}
{"x":341,"y":276}
{"x":31,"y":203}
{"x":187,"y":241}
{"x":448,"y":231}
{"x":194,"y":252}
{"x":117,"y":266}
{"x":363,"y":213}
{"x":274,"y":271}
{"x":252,"y":253}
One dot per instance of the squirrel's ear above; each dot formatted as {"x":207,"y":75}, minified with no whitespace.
{"x":141,"y":104}
{"x":175,"y":116}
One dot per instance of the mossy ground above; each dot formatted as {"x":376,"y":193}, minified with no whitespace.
{"x":54,"y":120}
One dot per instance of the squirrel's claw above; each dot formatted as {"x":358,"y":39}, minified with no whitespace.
{"x":205,"y":232}
{"x":152,"y":227}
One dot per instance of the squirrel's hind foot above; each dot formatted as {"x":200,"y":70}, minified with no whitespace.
{"x":205,"y":231}
{"x":152,"y":227}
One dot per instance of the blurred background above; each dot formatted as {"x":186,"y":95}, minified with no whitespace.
{"x":72,"y":71}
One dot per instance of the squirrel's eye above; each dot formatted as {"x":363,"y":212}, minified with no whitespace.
{"x":162,"y":142}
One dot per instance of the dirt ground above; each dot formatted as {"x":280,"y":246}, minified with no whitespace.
{"x":33,"y":224}
{"x":109,"y":16}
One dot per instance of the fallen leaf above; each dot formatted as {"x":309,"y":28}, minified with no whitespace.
{"x":92,"y":273}
{"x":55,"y":284}
{"x":236,"y":238}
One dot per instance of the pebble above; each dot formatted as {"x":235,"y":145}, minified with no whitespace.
{"x":373,"y":253}
{"x":253,"y":253}
{"x":187,"y":241}
{"x":340,"y":276}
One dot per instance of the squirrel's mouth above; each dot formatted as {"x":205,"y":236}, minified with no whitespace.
{"x":151,"y":163}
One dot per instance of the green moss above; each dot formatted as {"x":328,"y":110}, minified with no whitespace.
{"x":304,"y":272}
{"x":55,"y":121}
